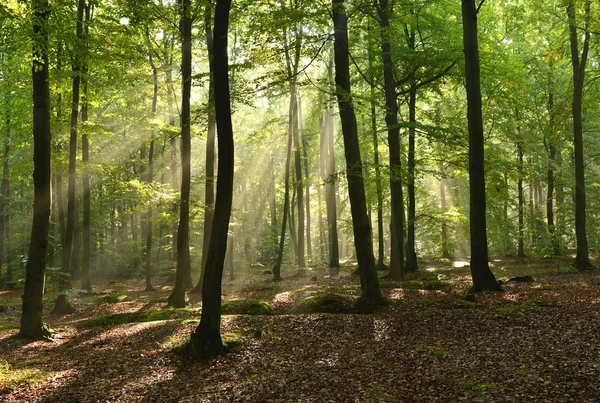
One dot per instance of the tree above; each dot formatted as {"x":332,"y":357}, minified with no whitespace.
{"x":363,"y":241}
{"x":582,"y":260}
{"x":32,"y":325}
{"x":206,"y":339}
{"x":483,"y":278}
{"x":384,"y":10}
{"x":177,"y":297}
{"x":209,"y":190}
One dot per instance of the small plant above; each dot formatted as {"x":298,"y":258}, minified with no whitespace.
{"x":510,"y":312}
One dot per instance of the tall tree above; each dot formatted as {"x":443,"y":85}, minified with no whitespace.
{"x":384,"y":11}
{"x":206,"y":339}
{"x":363,"y":241}
{"x":85,"y":154}
{"x":177,"y":297}
{"x":32,"y":325}
{"x":483,"y":278}
{"x":582,"y":260}
{"x":209,"y":189}
{"x":64,"y":282}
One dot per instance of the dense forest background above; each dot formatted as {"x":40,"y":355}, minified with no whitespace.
{"x":128,"y":60}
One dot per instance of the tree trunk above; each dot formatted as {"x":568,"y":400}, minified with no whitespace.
{"x":483,"y":278}
{"x":149,"y":179}
{"x":391,"y":119}
{"x":331,"y":179}
{"x":85,"y":153}
{"x":304,"y":142}
{"x":444,"y":210}
{"x":299,"y":185}
{"x":64,"y":282}
{"x":378,"y":184}
{"x":520,"y":247}
{"x":177,"y":297}
{"x":209,"y":191}
{"x":206,"y":339}
{"x":4,"y":196}
{"x":582,"y":260}
{"x":411,"y":254}
{"x":286,"y":198}
{"x":363,"y":242}
{"x":32,"y":325}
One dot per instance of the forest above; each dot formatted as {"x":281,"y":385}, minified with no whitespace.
{"x":294,"y":200}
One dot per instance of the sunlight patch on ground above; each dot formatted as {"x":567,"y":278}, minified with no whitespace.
{"x":431,"y":269}
{"x":397,"y":294}
{"x":510,"y":297}
{"x":459,"y":264}
{"x":283,"y":297}
{"x":381,"y":330}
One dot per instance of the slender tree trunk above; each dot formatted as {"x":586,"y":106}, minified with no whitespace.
{"x":304,"y":142}
{"x":582,"y":260}
{"x":363,"y":242}
{"x":206,"y":339}
{"x":4,"y":197}
{"x":32,"y":325}
{"x":378,"y":184}
{"x":299,"y":185}
{"x":331,"y":179}
{"x":551,"y":181}
{"x":521,"y":173}
{"x":85,"y":153}
{"x":483,"y":278}
{"x":64,"y":282}
{"x":391,"y":119}
{"x":411,"y":254}
{"x":177,"y":297}
{"x":150,"y":178}
{"x":286,"y":198}
{"x":209,"y":191}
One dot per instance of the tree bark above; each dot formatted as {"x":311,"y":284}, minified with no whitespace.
{"x":32,"y":325}
{"x":209,"y":190}
{"x":582,"y":260}
{"x":177,"y":297}
{"x":206,"y":339}
{"x":304,"y":142}
{"x":330,"y":178}
{"x":363,"y":242}
{"x":391,"y":119}
{"x":64,"y":282}
{"x":521,"y":173}
{"x":483,"y":278}
{"x":85,"y":153}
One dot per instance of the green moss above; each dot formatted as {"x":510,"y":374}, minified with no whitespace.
{"x":539,"y":302}
{"x":464,"y":304}
{"x":111,"y":299}
{"x":434,"y":285}
{"x":324,"y":303}
{"x":9,"y":326}
{"x":510,"y":312}
{"x":141,"y":316}
{"x":13,"y":377}
{"x":246,"y":307}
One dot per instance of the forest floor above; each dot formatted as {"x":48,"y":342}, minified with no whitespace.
{"x":537,"y":341}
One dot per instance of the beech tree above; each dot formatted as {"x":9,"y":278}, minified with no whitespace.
{"x":32,"y":325}
{"x":206,"y":340}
